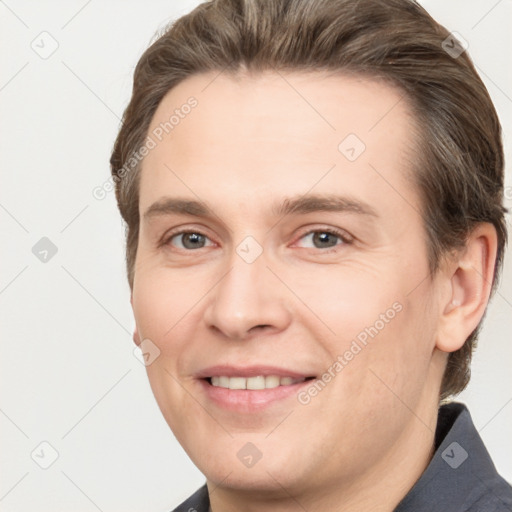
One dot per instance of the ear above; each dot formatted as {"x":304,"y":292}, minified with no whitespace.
{"x":470,"y":275}
{"x":136,"y":337}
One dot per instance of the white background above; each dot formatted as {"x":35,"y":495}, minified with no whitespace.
{"x":68,"y":374}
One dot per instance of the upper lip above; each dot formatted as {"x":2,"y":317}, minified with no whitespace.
{"x":249,"y":371}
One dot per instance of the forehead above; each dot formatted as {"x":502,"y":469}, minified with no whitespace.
{"x":277,"y":131}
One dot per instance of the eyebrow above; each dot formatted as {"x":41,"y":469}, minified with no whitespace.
{"x":304,"y":204}
{"x":325,"y":202}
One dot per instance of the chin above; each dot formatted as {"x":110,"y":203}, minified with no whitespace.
{"x":267,"y":475}
{"x":250,"y":481}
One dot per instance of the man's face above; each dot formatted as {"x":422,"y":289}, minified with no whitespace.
{"x":267,"y":283}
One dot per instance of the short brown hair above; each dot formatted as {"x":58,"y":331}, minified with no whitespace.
{"x":460,"y":162}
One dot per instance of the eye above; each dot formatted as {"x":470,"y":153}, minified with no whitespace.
{"x":324,"y":239}
{"x":188,"y":240}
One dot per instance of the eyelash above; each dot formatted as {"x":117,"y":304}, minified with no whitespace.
{"x":342,"y":235}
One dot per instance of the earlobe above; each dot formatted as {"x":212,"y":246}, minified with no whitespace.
{"x":470,"y":277}
{"x":136,"y":337}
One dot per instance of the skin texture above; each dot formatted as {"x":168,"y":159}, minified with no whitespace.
{"x":252,"y":141}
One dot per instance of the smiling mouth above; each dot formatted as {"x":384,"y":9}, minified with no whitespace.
{"x":255,"y":383}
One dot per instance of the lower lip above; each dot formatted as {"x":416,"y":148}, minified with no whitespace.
{"x":244,"y":400}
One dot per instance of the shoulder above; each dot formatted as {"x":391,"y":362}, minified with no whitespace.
{"x":494,"y":495}
{"x":461,"y":476}
{"x":197,"y":502}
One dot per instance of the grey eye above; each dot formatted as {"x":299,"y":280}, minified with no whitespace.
{"x":321,"y":239}
{"x":189,"y":240}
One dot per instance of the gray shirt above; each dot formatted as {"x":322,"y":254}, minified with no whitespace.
{"x":460,"y":477}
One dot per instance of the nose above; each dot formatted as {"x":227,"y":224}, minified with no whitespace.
{"x":247,"y":300}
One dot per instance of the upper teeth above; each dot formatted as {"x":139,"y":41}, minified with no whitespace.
{"x":259,"y":382}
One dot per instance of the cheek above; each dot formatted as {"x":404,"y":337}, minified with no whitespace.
{"x":162,"y":316}
{"x":395,"y":368}
{"x":162,"y":304}
{"x":350,"y":300}
{"x":378,"y":326}
{"x":149,"y":303}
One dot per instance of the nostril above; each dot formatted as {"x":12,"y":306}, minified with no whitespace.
{"x":262,"y":326}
